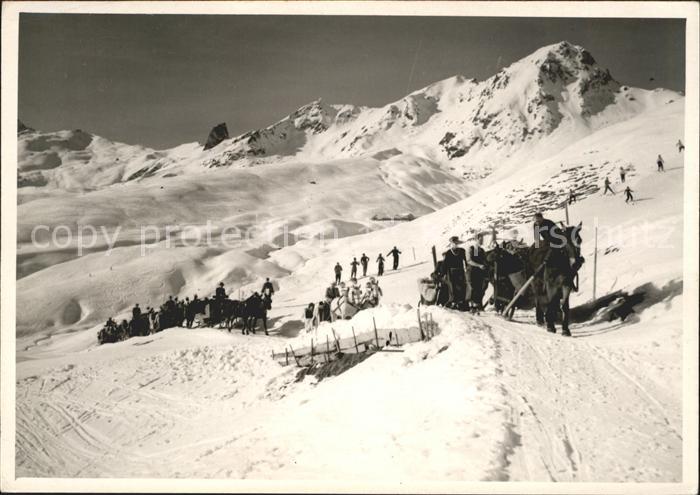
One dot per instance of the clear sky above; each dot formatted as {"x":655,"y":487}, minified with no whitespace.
{"x":165,"y":80}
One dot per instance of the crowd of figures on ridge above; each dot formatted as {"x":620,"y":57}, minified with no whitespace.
{"x":218,"y":309}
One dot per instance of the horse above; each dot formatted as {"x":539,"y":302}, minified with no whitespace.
{"x":560,"y":261}
{"x":253,"y":308}
{"x":231,"y":310}
{"x":508,"y":271}
{"x":342,"y":308}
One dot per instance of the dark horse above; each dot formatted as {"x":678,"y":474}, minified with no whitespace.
{"x":561,"y":261}
{"x":508,"y":270}
{"x":231,"y":310}
{"x":554,"y":267}
{"x":253,"y":308}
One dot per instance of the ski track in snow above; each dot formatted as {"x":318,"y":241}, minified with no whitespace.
{"x":580,"y":413}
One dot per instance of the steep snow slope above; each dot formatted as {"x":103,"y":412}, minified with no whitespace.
{"x":251,"y":212}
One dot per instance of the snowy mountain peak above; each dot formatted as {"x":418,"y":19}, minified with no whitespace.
{"x":530,"y":109}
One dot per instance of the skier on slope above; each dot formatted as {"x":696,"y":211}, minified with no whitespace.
{"x":628,"y":194}
{"x":680,"y":146}
{"x":353,"y":267}
{"x":660,"y":164}
{"x":395,"y":253}
{"x":380,"y":265}
{"x":607,"y":187}
{"x":364,"y":260}
{"x":622,"y":174}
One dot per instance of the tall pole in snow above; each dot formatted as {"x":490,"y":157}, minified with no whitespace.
{"x":566,"y":211}
{"x":595,"y":260}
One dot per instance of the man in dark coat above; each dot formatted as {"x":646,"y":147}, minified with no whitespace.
{"x":332,"y":292}
{"x":364,"y":260}
{"x":454,"y":265}
{"x":268,"y":290}
{"x":338,"y":272}
{"x":543,"y":229}
{"x":395,"y":253}
{"x":477,"y":273}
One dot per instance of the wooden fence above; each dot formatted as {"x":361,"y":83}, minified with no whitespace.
{"x":368,"y":340}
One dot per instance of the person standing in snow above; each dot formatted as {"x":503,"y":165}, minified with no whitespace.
{"x":364,"y":260}
{"x":680,"y":146}
{"x":572,"y":196}
{"x":395,"y":253}
{"x":189,"y":311}
{"x":268,"y":289}
{"x":338,"y":272}
{"x":454,"y":267}
{"x":353,"y":268}
{"x":136,"y":312}
{"x":309,"y":318}
{"x":660,"y":164}
{"x":622,"y":174}
{"x":607,"y":187}
{"x":380,"y":265}
{"x":477,"y":272}
{"x":628,"y":193}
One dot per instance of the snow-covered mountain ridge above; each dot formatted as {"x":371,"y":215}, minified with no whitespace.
{"x":531,"y":109}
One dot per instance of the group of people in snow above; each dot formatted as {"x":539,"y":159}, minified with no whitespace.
{"x":465,"y":274}
{"x":351,"y":294}
{"x":176,"y":312}
{"x":623,"y":172}
{"x":364,"y":263}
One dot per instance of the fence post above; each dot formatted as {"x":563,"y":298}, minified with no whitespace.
{"x":328,"y":349}
{"x":294,"y":355}
{"x":357,"y":349}
{"x":495,"y":283}
{"x":595,"y":260}
{"x":420,"y":325}
{"x":312,"y":351}
{"x":376,"y":336}
{"x":337,"y":342}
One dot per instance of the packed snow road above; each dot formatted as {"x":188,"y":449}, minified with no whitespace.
{"x":486,"y":399}
{"x":586,"y":410}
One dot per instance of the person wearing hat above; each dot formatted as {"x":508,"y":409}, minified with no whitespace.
{"x":454,"y":265}
{"x":478,"y":275}
{"x":220,"y":291}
